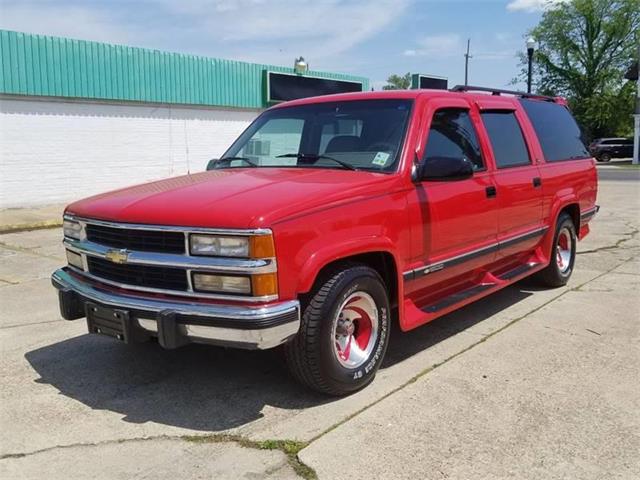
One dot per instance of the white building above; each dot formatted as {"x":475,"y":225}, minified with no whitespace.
{"x":78,"y":118}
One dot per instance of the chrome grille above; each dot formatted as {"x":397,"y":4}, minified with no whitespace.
{"x":155,"y":259}
{"x":140,"y":275}
{"x":142,"y":240}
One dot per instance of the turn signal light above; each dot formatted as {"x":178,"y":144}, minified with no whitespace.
{"x":263,"y":284}
{"x":261,"y":246}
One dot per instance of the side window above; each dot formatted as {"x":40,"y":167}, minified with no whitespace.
{"x":557,"y":131}
{"x":452,"y":134}
{"x":507,"y":140}
{"x":276,"y":137}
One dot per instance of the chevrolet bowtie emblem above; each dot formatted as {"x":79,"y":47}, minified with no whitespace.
{"x":117,"y":256}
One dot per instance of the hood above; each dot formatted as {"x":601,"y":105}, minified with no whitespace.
{"x":233,"y":198}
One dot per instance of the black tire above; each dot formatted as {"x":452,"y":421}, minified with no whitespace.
{"x":311,"y":355}
{"x":604,"y":157}
{"x":554,"y":275}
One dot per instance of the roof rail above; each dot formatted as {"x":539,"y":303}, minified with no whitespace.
{"x":499,"y":91}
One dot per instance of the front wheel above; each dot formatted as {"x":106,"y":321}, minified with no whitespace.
{"x":344,"y":332}
{"x":563,"y":254}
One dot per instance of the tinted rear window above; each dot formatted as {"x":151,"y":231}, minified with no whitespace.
{"x":558,"y":133}
{"x":507,"y":141}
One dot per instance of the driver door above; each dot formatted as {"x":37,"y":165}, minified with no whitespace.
{"x":456,"y":233}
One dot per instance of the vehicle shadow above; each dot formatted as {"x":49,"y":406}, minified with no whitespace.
{"x":207,"y":388}
{"x":403,"y":345}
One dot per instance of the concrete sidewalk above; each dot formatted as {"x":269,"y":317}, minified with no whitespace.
{"x":19,"y":219}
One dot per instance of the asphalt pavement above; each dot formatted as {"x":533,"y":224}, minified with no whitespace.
{"x":527,"y":383}
{"x":620,"y":174}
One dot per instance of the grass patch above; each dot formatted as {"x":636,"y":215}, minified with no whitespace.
{"x":289,"y":447}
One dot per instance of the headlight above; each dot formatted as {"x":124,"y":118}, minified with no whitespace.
{"x":259,"y":246}
{"x":219,"y":246}
{"x":206,"y":282}
{"x":258,"y":285}
{"x":72,"y":229}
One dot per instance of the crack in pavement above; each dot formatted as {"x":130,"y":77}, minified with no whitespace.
{"x":289,"y":447}
{"x":17,"y":325}
{"x":631,"y":235}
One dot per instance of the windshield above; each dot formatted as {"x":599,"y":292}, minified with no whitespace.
{"x":355,"y":135}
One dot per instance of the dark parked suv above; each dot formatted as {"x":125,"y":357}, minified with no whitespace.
{"x":604,"y":149}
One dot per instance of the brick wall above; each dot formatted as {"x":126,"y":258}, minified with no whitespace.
{"x":58,"y":151}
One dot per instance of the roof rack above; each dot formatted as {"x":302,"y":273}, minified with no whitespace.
{"x":499,"y":91}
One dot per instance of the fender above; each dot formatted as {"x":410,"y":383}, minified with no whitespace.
{"x":561,"y":200}
{"x":353,"y":246}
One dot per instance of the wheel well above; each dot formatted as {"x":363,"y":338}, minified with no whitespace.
{"x":381,"y":262}
{"x":573,"y":210}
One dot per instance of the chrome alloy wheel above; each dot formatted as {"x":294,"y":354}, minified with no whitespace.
{"x":355,"y":330}
{"x":564,"y":248}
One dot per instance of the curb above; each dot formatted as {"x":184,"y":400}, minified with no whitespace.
{"x":24,"y":227}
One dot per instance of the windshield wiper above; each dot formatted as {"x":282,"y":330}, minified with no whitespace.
{"x":315,"y":156}
{"x":244,"y":159}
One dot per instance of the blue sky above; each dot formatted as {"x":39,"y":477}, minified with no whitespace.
{"x":373,"y":38}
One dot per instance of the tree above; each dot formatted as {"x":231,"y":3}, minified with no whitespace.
{"x":584,"y":49}
{"x":397,"y":82}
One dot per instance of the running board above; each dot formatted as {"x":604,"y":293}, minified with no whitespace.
{"x":457,"y":297}
{"x":518,"y":271}
{"x":454,"y":298}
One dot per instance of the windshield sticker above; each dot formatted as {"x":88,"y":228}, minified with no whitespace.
{"x":380,"y":159}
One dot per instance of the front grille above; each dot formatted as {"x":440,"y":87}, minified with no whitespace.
{"x":139,"y":275}
{"x":132,"y":239}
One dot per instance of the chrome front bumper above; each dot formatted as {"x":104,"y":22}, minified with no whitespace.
{"x":177,"y":322}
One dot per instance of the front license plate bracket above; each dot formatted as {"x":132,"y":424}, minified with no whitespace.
{"x":112,"y":322}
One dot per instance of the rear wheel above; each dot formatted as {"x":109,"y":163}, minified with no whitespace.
{"x":604,"y":157}
{"x":563,"y":255}
{"x":344,"y":332}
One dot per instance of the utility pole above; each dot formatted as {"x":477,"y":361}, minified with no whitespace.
{"x":636,"y":117}
{"x":466,"y":63}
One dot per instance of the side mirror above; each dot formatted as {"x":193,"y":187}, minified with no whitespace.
{"x":446,"y":168}
{"x":212,"y":163}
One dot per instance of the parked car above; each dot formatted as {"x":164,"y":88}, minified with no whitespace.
{"x":604,"y":149}
{"x":328,"y":219}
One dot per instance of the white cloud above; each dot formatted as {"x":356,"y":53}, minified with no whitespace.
{"x":532,"y":5}
{"x":67,"y":20}
{"x":437,"y":46}
{"x":252,"y":30}
{"x":317,"y":28}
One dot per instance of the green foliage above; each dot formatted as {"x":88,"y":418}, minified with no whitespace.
{"x":584,"y":49}
{"x":397,"y":82}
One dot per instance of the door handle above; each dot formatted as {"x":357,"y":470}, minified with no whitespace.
{"x":537,"y":181}
{"x":491,"y":191}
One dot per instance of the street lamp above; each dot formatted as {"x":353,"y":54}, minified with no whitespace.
{"x":300,"y":66}
{"x":531,"y":45}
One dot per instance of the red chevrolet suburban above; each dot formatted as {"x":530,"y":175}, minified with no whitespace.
{"x":328,"y":219}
